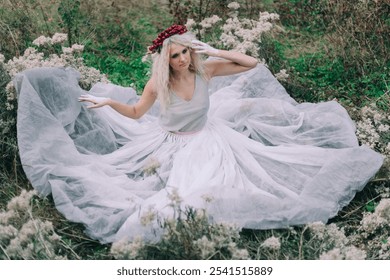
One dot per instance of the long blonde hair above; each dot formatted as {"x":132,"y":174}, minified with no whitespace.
{"x":161,"y":70}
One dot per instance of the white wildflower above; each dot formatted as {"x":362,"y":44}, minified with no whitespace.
{"x":77,"y":48}
{"x":21,"y":202}
{"x":272,"y":243}
{"x":66,"y":50}
{"x":124,"y":250}
{"x":318,"y":229}
{"x":149,"y":216}
{"x":59,"y":38}
{"x":2,"y":58}
{"x":209,"y":22}
{"x":151,"y":166}
{"x":353,"y":253}
{"x":233,"y":5}
{"x":206,"y":247}
{"x":7,"y":232}
{"x":190,"y":24}
{"x":383,"y":209}
{"x":174,"y":197}
{"x":282,"y":75}
{"x":334,"y":254}
{"x":42,"y":40}
{"x":6,"y":216}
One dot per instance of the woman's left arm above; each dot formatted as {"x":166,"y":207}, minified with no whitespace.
{"x":231,"y":62}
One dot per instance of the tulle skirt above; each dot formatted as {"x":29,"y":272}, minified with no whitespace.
{"x":262,"y":160}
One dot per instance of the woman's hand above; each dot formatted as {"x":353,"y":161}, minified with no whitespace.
{"x":96,"y":101}
{"x":204,"y":48}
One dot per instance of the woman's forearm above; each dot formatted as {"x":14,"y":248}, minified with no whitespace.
{"x":239,"y":58}
{"x":123,"y":109}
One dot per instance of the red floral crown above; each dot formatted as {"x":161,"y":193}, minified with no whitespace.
{"x":173,"y":30}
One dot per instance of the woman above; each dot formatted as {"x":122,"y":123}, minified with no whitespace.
{"x":249,"y":154}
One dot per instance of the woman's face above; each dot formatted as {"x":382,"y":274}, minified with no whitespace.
{"x":179,"y":57}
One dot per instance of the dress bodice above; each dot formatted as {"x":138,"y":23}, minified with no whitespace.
{"x":187,"y":116}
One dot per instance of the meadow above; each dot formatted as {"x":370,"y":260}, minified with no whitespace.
{"x":319,"y":50}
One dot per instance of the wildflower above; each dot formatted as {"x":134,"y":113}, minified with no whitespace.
{"x":174,"y":197}
{"x":318,"y":229}
{"x":233,"y":5}
{"x":127,"y":250}
{"x":151,"y":167}
{"x":67,"y":50}
{"x":282,"y":75}
{"x":206,"y":247}
{"x":272,"y":243}
{"x":383,"y":209}
{"x":22,"y":202}
{"x":190,"y":24}
{"x":42,"y":40}
{"x":77,"y":48}
{"x":334,"y":254}
{"x":59,"y":38}
{"x":353,"y":253}
{"x":2,"y":58}
{"x":148,"y":217}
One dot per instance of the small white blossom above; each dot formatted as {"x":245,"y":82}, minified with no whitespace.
{"x":2,"y":58}
{"x":151,"y":166}
{"x":124,"y":250}
{"x":334,"y":254}
{"x":42,"y":40}
{"x":233,"y":5}
{"x":206,"y":247}
{"x":59,"y":38}
{"x":77,"y":48}
{"x":272,"y":243}
{"x":282,"y":75}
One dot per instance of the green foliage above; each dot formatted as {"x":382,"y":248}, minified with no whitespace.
{"x":69,"y":11}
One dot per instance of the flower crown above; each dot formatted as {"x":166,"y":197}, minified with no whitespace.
{"x":173,"y":30}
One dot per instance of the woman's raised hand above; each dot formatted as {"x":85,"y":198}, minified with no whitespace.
{"x":96,"y":101}
{"x":204,"y":48}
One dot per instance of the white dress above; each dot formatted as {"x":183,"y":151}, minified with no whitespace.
{"x":241,"y":148}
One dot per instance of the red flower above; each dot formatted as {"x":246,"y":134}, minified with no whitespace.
{"x":173,"y":30}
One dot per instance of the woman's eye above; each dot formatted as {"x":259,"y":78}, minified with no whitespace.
{"x":175,"y":55}
{"x":185,"y":51}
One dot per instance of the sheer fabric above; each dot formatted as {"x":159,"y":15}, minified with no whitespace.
{"x":257,"y":158}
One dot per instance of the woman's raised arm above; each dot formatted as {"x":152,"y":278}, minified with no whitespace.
{"x":232,"y":62}
{"x":131,"y":111}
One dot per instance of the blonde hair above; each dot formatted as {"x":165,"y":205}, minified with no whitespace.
{"x":161,"y":71}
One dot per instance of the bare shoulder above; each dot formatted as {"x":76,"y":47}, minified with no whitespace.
{"x":150,"y":88}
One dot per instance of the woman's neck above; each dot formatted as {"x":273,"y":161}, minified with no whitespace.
{"x":182,"y":75}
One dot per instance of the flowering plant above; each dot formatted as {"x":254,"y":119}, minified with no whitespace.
{"x":173,"y":30}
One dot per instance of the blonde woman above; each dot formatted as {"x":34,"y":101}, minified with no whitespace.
{"x":227,"y":138}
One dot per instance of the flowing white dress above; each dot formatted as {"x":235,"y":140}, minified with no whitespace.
{"x":241,"y":148}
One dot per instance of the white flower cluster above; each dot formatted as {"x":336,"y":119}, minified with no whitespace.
{"x":272,"y":243}
{"x":282,"y":75}
{"x":124,"y":250}
{"x":233,"y":5}
{"x":374,"y":128}
{"x":222,"y":237}
{"x":58,"y":38}
{"x":371,"y":222}
{"x":242,"y":35}
{"x":2,"y":58}
{"x":344,"y":253}
{"x":31,"y":58}
{"x":24,"y":237}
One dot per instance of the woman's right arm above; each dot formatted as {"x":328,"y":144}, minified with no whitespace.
{"x":131,"y":111}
